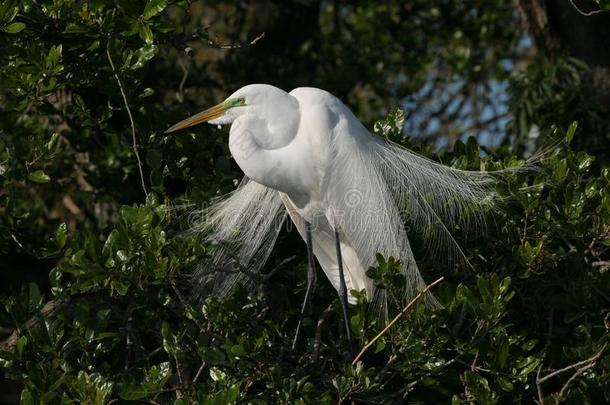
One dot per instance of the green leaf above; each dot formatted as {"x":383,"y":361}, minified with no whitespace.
{"x":154,"y":158}
{"x":380,"y":345}
{"x":528,"y":365}
{"x":226,"y":397}
{"x":120,"y":287}
{"x":505,"y":384}
{"x":157,"y":376}
{"x":52,"y":59}
{"x":143,"y":55}
{"x":603,"y":4}
{"x":152,"y":383}
{"x":53,"y":142}
{"x":571,"y":131}
{"x":153,"y":7}
{"x":479,"y":387}
{"x":34,"y":301}
{"x":238,"y":350}
{"x":27,"y":398}
{"x":14,"y":28}
{"x":145,"y":32}
{"x":39,"y":177}
{"x":20,"y":346}
{"x":61,"y":235}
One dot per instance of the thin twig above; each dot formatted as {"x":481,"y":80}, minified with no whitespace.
{"x":578,"y":372}
{"x":575,"y":365}
{"x":49,"y":310}
{"x":396,"y":318}
{"x":180,"y":379}
{"x":586,"y":13}
{"x":546,"y":346}
{"x":183,"y":80}
{"x":237,"y":46}
{"x":437,"y":370}
{"x":185,"y":304}
{"x":198,"y":373}
{"x":279,"y":266}
{"x":318,"y":336}
{"x":385,"y":368}
{"x":539,"y":386}
{"x":133,"y":126}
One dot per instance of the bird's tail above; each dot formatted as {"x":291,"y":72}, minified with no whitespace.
{"x":386,"y":193}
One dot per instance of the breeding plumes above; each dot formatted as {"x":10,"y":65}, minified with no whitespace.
{"x":347,"y":191}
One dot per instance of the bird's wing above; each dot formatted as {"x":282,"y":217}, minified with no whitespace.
{"x":324,"y":248}
{"x":242,"y":228}
{"x":373,"y":187}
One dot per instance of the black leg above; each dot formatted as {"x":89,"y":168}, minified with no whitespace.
{"x":311,"y":279}
{"x":343,"y":293}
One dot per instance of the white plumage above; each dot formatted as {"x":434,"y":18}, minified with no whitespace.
{"x":306,"y":155}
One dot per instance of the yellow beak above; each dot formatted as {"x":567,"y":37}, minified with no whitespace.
{"x":204,"y":116}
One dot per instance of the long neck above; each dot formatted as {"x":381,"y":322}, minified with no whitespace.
{"x":272,"y":126}
{"x":256,"y":136}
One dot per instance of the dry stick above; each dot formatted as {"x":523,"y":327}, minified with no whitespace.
{"x":221,"y":46}
{"x":539,"y":387}
{"x":578,"y":372}
{"x":198,"y":373}
{"x":396,"y":318}
{"x":586,"y":364}
{"x":580,"y":363}
{"x":49,"y":310}
{"x":586,"y":13}
{"x":318,"y":336}
{"x":133,"y":126}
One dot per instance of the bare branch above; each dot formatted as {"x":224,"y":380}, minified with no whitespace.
{"x":133,"y":126}
{"x":50,"y":309}
{"x":396,"y":318}
{"x":198,"y":373}
{"x":539,"y":386}
{"x":586,"y":13}
{"x":578,"y":372}
{"x":279,"y":267}
{"x":580,"y":367}
{"x":575,"y":365}
{"x":318,"y":336}
{"x":216,"y":44}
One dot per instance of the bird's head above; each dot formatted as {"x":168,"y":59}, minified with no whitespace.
{"x":258,"y":99}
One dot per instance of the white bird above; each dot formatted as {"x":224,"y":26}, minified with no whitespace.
{"x":347,"y":191}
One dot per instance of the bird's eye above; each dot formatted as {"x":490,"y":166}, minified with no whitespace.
{"x":241,"y":100}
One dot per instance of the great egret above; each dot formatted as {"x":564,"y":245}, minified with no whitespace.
{"x":305,"y":155}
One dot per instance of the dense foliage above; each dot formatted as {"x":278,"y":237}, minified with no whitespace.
{"x":97,"y":298}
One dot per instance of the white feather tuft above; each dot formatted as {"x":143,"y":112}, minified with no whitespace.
{"x":242,"y":228}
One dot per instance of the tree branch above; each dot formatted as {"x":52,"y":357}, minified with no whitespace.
{"x":396,"y":318}
{"x":575,"y":365}
{"x":50,"y":309}
{"x":580,"y":366}
{"x":535,"y":18}
{"x":318,"y":336}
{"x":586,"y":13}
{"x":574,"y":377}
{"x":133,"y":126}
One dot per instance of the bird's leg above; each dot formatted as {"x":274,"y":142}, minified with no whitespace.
{"x":311,"y":279}
{"x":343,"y":293}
